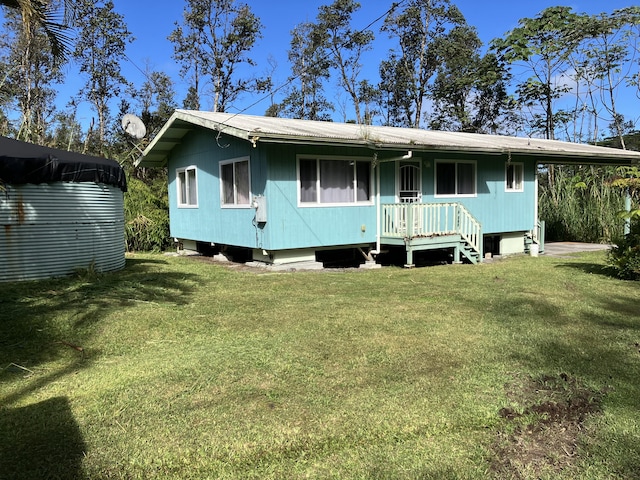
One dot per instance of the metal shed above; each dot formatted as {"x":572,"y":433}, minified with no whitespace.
{"x":59,"y":212}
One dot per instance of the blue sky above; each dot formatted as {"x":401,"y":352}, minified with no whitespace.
{"x":151,"y":21}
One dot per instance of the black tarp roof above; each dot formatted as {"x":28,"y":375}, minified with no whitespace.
{"x":22,"y":162}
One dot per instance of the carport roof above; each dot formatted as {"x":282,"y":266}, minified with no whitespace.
{"x":256,"y":130}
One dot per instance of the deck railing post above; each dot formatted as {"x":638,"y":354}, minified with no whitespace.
{"x":410,"y":232}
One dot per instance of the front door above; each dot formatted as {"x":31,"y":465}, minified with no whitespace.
{"x":409,"y":184}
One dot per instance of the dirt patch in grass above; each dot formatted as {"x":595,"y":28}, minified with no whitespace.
{"x":543,"y":426}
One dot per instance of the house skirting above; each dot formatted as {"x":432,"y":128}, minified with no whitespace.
{"x":290,"y":258}
{"x":512,"y":243}
{"x":186,"y":247}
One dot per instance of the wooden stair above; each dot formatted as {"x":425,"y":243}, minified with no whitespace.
{"x":420,"y":226}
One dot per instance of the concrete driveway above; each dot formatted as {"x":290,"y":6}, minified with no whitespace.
{"x":567,"y":248}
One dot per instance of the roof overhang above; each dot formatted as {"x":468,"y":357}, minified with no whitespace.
{"x":255,"y":129}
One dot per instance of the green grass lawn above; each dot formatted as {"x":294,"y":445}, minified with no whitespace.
{"x":182,"y":368}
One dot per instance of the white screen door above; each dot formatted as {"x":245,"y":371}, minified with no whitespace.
{"x":409,"y":185}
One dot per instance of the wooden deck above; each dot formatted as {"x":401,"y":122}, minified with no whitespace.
{"x":427,"y":226}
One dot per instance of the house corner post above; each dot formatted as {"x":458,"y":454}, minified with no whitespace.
{"x":627,"y":208}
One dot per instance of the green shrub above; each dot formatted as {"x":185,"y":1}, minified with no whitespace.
{"x":146,"y":216}
{"x":624,"y":256}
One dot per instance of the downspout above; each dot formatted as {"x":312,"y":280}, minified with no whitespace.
{"x":378,"y":213}
{"x":376,"y":164}
{"x":536,"y":206}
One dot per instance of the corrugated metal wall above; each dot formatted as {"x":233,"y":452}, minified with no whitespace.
{"x":54,"y":229}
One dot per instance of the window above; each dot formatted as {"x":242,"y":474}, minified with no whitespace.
{"x":187,"y":187}
{"x":455,"y":178}
{"x":331,"y":181}
{"x":235,"y":183}
{"x":514,"y":177}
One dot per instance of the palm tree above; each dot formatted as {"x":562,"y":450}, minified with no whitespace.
{"x":55,"y":23}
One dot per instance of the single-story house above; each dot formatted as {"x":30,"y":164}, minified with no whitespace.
{"x":285,"y":190}
{"x":60,"y":211}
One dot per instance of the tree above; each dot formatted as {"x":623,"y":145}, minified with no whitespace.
{"x":344,"y":46}
{"x":495,"y":109}
{"x":31,"y":75}
{"x":606,"y":53}
{"x":395,"y":85}
{"x":211,"y":44}
{"x":156,"y":100}
{"x":154,"y":103}
{"x":371,"y":98}
{"x":544,"y":44}
{"x":45,"y":14}
{"x":470,"y":91}
{"x":66,"y":131}
{"x":100,"y":51}
{"x":408,"y":71}
{"x":310,"y":68}
{"x":633,"y":79}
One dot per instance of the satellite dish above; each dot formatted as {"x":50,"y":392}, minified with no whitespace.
{"x":133,"y":126}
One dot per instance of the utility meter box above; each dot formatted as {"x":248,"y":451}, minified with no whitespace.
{"x":260,"y":204}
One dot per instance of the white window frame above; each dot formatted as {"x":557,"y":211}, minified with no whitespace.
{"x":456,"y":187}
{"x":235,"y":203}
{"x":182,"y":177}
{"x":514,"y":187}
{"x":351,"y":160}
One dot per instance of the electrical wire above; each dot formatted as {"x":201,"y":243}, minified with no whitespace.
{"x":291,"y":79}
{"x":296,"y":77}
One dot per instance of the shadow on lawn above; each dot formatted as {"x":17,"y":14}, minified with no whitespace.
{"x":52,"y":319}
{"x":585,"y":344}
{"x":598,"y":345}
{"x":592,"y":268}
{"x":41,"y":440}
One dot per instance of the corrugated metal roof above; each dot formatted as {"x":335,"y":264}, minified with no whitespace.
{"x":284,"y":130}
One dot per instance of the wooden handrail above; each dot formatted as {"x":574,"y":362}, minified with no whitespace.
{"x":410,"y":220}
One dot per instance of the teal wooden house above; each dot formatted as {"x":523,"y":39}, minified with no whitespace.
{"x":283,"y":191}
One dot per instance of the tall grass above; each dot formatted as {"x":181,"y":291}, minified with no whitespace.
{"x":579,"y":204}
